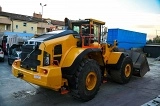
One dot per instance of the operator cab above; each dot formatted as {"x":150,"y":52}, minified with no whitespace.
{"x":89,"y":31}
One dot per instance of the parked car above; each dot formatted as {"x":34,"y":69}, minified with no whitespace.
{"x":14,"y":53}
{"x":1,"y":55}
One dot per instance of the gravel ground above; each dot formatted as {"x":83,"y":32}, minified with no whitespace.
{"x":16,"y":92}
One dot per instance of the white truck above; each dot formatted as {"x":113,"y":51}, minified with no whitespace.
{"x":11,"y":42}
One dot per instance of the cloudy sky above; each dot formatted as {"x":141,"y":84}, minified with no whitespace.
{"x":136,"y":15}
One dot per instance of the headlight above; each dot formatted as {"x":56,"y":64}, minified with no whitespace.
{"x":46,"y":59}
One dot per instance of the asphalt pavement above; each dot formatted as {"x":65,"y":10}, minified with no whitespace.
{"x":16,"y":92}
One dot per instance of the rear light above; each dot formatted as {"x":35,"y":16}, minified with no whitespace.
{"x":15,"y":63}
{"x":45,"y":71}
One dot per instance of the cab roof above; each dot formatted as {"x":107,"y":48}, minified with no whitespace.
{"x":96,"y":21}
{"x":87,"y":21}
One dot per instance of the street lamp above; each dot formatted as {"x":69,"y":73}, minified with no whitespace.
{"x":42,"y":8}
{"x":42,"y":13}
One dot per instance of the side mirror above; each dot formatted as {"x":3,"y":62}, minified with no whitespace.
{"x":104,"y":34}
{"x":105,"y":30}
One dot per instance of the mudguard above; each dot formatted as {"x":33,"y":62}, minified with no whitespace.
{"x":74,"y":57}
{"x":71,"y":56}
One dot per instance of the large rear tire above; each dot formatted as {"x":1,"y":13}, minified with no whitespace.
{"x":88,"y":80}
{"x":124,"y":73}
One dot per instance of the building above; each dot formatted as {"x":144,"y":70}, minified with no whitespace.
{"x":27,"y":24}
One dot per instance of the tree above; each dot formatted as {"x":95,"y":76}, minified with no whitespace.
{"x":149,"y":41}
{"x":156,"y":39}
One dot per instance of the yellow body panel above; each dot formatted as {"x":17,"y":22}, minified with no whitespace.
{"x":109,"y":56}
{"x":71,"y":56}
{"x":97,"y":21}
{"x":95,"y":45}
{"x":114,"y":57}
{"x":68,"y":42}
{"x":53,"y":79}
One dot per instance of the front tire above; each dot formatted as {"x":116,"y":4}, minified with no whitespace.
{"x":88,"y":80}
{"x":124,"y":73}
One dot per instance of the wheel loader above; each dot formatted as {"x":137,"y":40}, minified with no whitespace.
{"x":76,"y":60}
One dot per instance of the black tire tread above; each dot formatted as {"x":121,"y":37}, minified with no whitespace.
{"x":117,"y":74}
{"x":76,"y":93}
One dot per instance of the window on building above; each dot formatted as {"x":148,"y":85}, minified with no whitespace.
{"x":32,"y":28}
{"x":7,"y":27}
{"x":24,"y":24}
{"x":48,"y":29}
{"x":16,"y":26}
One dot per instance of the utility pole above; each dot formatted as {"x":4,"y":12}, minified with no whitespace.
{"x":42,"y":14}
{"x":157,"y":32}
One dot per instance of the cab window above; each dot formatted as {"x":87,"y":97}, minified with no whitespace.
{"x":96,"y":31}
{"x":76,"y":28}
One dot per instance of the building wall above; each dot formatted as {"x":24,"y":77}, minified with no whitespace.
{"x":42,"y":27}
{"x":2,"y":27}
{"x":37,"y":15}
{"x":40,"y":30}
{"x":4,"y":20}
{"x":25,"y":27}
{"x":5,"y":27}
{"x":5,"y":24}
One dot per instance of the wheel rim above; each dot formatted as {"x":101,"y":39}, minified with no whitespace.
{"x":91,"y":80}
{"x":127,"y":70}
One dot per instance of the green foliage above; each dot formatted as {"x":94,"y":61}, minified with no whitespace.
{"x":154,"y":40}
{"x":149,"y":41}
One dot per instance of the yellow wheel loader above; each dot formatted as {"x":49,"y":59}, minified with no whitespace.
{"x":76,"y":60}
